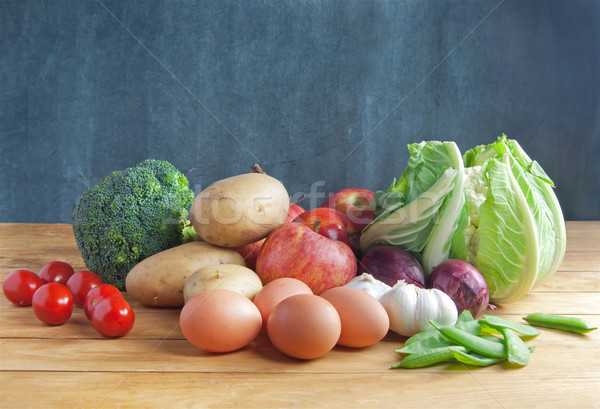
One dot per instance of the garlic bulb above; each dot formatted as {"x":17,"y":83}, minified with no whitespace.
{"x":370,"y":285}
{"x":410,"y":308}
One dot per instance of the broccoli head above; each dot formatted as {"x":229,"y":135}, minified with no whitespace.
{"x":130,"y":215}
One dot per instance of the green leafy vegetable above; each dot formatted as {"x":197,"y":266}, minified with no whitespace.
{"x":493,"y":207}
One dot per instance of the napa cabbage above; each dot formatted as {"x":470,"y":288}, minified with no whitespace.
{"x":493,"y":206}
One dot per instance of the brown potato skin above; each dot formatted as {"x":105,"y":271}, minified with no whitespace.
{"x":239,"y":210}
{"x":159,"y":280}
{"x":233,"y":277}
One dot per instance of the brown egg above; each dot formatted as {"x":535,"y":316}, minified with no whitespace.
{"x":304,"y":326}
{"x":220,"y":320}
{"x":364,"y":320}
{"x":275,"y":292}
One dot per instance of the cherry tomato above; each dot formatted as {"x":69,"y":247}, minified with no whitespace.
{"x":56,"y":272}
{"x":81,"y":283}
{"x":19,"y":286}
{"x":113,"y":317}
{"x":97,"y":294}
{"x":53,"y":303}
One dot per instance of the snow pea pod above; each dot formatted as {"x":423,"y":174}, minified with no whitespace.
{"x":473,"y":342}
{"x":497,"y":323}
{"x":517,"y":352}
{"x":426,"y":344}
{"x":427,"y":358}
{"x":473,"y":358}
{"x":471,"y":327}
{"x":560,"y":322}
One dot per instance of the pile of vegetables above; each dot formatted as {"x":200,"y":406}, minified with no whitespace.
{"x":493,"y":207}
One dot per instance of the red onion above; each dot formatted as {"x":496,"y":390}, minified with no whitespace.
{"x":463,"y":283}
{"x":390,"y":264}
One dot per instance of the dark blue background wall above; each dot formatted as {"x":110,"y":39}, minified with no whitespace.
{"x":326,"y":92}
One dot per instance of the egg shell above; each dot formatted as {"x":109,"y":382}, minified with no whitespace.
{"x":220,"y":320}
{"x":364,"y":320}
{"x":275,"y":292}
{"x":304,"y":326}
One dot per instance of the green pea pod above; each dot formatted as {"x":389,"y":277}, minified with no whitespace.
{"x":425,"y":345}
{"x":473,"y":358}
{"x":426,"y":358}
{"x":465,"y":316}
{"x":560,"y":322}
{"x":472,"y":342}
{"x":471,"y":327}
{"x":497,"y":323}
{"x":517,"y":352}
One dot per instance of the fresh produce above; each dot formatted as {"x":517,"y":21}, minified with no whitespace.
{"x":113,"y":317}
{"x":327,"y":222}
{"x":20,"y":285}
{"x":390,"y":264}
{"x":364,"y":320}
{"x":367,"y":283}
{"x":516,"y":350}
{"x":491,"y":323}
{"x":275,"y":292}
{"x":53,"y":303}
{"x":463,"y":283}
{"x":220,"y":320}
{"x":130,"y":215}
{"x":56,"y":272}
{"x":428,"y":357}
{"x":411,"y":308}
{"x":159,"y":279}
{"x":239,"y":210}
{"x":250,"y":251}
{"x":232,"y":277}
{"x":96,"y":295}
{"x":493,"y":207}
{"x":355,"y":204}
{"x":473,"y":342}
{"x":560,"y":322}
{"x":80,"y":285}
{"x":295,"y":250}
{"x":304,"y":326}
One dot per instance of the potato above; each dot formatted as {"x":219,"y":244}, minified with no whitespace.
{"x":224,"y":276}
{"x":159,"y":279}
{"x":239,"y":210}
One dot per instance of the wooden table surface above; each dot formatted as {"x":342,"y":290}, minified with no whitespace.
{"x":71,"y":365}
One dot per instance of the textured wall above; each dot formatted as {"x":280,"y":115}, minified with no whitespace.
{"x":328,"y":91}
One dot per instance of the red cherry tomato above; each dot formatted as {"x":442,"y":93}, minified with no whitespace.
{"x":81,"y":283}
{"x":56,"y":272}
{"x":97,"y":294}
{"x":19,"y":286}
{"x":53,"y":303}
{"x":113,"y":317}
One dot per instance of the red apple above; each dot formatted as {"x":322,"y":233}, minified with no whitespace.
{"x":327,"y":222}
{"x":294,"y":211}
{"x":295,"y":250}
{"x":355,"y":205}
{"x":250,"y":251}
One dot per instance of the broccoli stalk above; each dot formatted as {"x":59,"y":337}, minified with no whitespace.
{"x":130,"y":215}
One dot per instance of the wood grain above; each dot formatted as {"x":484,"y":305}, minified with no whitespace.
{"x":154,"y":366}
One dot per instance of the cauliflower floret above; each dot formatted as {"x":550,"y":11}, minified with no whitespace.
{"x":476,"y":191}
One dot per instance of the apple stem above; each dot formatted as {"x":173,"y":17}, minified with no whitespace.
{"x":317,"y":226}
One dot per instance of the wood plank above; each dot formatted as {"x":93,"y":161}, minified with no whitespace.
{"x":178,"y":355}
{"x":265,"y":390}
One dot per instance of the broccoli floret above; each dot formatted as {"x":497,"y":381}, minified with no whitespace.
{"x":130,"y":215}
